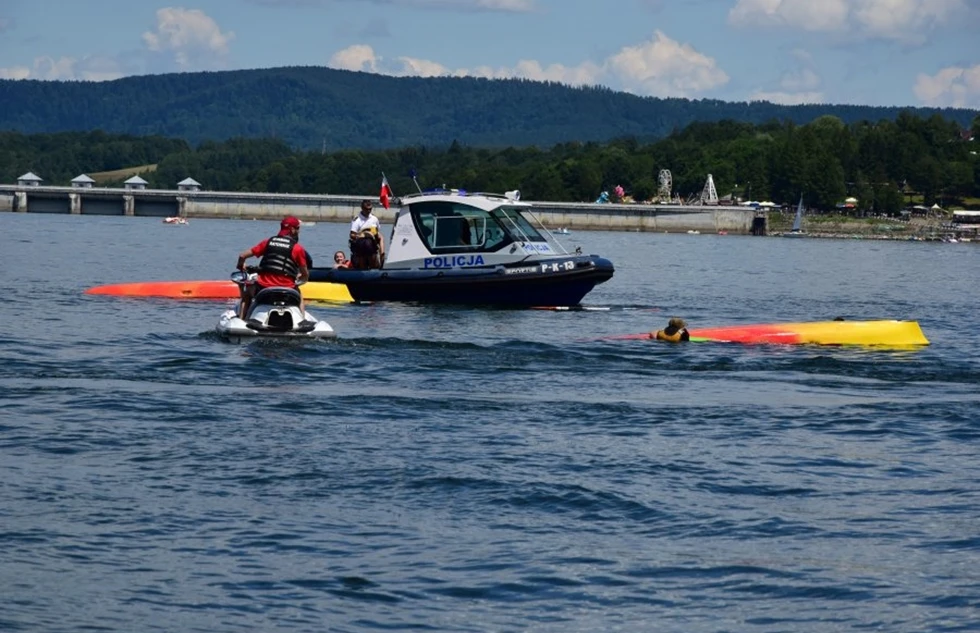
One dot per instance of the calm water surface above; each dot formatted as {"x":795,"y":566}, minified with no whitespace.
{"x":457,"y":469}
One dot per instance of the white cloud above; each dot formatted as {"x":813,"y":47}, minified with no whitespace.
{"x":664,"y":67}
{"x":422,"y":68}
{"x":788,"y":98}
{"x":902,"y":19}
{"x":66,"y":68}
{"x":823,"y":15}
{"x":183,"y":38}
{"x":357,"y":57}
{"x":504,"y":6}
{"x":191,"y":36}
{"x":908,"y":20}
{"x":15,"y":72}
{"x":953,"y":86}
{"x":586,"y":73}
{"x":658,"y":67}
{"x":515,"y":6}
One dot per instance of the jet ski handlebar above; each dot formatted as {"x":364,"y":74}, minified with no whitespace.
{"x":247,"y":276}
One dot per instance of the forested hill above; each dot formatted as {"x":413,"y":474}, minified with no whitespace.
{"x":308,"y":107}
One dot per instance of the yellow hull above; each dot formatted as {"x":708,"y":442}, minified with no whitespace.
{"x":890,"y":333}
{"x":325,"y":291}
{"x":886,"y":333}
{"x":226,"y":289}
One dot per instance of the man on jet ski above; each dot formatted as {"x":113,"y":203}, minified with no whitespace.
{"x":367,"y":246}
{"x":284,"y":262}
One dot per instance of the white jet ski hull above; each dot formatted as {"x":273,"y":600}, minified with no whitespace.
{"x":234,"y":329}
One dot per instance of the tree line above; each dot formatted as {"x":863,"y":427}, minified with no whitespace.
{"x":883,"y":164}
{"x":315,"y":108}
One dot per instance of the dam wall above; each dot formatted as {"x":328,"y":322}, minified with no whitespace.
{"x":340,"y":208}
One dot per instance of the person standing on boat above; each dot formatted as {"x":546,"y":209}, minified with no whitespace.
{"x":284,"y":262}
{"x":367,"y":246}
{"x":675,"y":332}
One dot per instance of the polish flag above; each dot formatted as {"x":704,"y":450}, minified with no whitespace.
{"x":385,"y":195}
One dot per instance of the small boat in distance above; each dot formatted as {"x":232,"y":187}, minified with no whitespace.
{"x":451,"y":246}
{"x":175,"y":220}
{"x":797,"y":230}
{"x":561,"y":230}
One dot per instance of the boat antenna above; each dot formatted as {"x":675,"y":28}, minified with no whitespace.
{"x":415,"y":180}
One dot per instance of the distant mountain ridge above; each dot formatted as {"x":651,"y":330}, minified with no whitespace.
{"x":314,"y":107}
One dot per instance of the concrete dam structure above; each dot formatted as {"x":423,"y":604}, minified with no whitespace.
{"x":162,"y":203}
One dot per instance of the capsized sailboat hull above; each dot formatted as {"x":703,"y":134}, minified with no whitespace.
{"x":170,"y":289}
{"x":883,"y":333}
{"x":225,"y":289}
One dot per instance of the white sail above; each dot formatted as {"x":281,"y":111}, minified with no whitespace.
{"x":798,"y":221}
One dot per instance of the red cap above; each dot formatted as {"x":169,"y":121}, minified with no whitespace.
{"x":289,"y":222}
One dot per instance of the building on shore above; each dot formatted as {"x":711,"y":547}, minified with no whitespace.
{"x":30,"y":179}
{"x":82,"y":181}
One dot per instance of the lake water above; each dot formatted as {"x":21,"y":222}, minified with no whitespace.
{"x":458,"y":469}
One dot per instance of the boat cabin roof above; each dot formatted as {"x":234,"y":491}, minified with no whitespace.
{"x":480,"y":200}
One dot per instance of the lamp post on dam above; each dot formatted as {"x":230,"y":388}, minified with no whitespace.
{"x":191,"y":202}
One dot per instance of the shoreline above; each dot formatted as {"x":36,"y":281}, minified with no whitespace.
{"x":913,"y":230}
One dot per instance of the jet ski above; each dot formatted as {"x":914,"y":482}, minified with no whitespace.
{"x":275,"y":313}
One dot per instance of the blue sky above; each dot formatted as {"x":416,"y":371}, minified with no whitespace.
{"x":867,"y":52}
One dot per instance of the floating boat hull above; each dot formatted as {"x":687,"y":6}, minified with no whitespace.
{"x":170,"y":289}
{"x":884,"y":333}
{"x":897,"y":334}
{"x":320,"y":291}
{"x":558,"y":282}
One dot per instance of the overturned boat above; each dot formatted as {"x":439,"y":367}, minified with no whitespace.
{"x":884,"y":333}
{"x":878,"y":333}
{"x":450,"y":246}
{"x":212,"y":289}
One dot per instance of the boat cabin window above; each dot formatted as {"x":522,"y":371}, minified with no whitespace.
{"x":458,"y":228}
{"x":517,"y":224}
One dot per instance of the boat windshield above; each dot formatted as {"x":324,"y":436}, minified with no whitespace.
{"x":517,"y":224}
{"x":449,"y":227}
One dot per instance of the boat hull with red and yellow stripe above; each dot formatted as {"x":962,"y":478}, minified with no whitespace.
{"x":227,"y":289}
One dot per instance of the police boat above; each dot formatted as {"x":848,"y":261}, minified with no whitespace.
{"x":274,"y":313}
{"x":450,"y":246}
